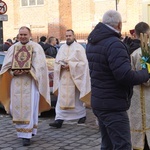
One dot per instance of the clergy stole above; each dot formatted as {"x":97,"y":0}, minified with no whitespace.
{"x":66,"y":90}
{"x":21,"y":89}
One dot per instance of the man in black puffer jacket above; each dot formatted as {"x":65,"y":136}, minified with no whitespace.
{"x":52,"y":50}
{"x":112,"y":81}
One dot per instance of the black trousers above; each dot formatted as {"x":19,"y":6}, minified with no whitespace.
{"x":115,"y":130}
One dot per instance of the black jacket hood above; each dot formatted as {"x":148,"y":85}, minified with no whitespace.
{"x":100,"y":32}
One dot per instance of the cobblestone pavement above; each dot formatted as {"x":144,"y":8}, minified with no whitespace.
{"x":70,"y":137}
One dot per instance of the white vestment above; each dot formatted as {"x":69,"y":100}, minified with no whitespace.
{"x":73,"y":85}
{"x":24,"y":96}
{"x":139,"y":112}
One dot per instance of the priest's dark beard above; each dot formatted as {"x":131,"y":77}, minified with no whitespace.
{"x":69,"y":43}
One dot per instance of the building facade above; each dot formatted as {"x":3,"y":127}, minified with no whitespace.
{"x":53,"y":17}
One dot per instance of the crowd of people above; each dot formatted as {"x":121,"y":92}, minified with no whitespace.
{"x":50,"y":45}
{"x":108,"y":75}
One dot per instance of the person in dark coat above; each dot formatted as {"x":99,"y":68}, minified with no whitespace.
{"x":52,"y":50}
{"x":57,"y":44}
{"x":112,"y":81}
{"x":43,"y":42}
{"x":7,"y":44}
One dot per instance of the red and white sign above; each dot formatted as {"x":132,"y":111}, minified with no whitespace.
{"x":3,"y":7}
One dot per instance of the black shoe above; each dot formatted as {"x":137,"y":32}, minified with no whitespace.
{"x":56,"y":123}
{"x":81,"y":120}
{"x":26,"y":142}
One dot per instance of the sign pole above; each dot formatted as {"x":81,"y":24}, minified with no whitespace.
{"x":1,"y":35}
{"x":116,"y":5}
{"x":3,"y":10}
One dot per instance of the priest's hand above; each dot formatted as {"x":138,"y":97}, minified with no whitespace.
{"x":20,"y":72}
{"x":66,"y":67}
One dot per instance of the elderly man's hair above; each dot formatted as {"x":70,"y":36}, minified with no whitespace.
{"x":112,"y":18}
{"x":141,"y":27}
{"x":24,"y":27}
{"x":51,"y":39}
{"x":70,"y":30}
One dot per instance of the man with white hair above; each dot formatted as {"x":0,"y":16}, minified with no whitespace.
{"x":112,"y":80}
{"x":52,"y":50}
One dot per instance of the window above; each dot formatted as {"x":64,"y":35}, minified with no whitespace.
{"x":40,"y":2}
{"x":24,"y":2}
{"x":31,"y":2}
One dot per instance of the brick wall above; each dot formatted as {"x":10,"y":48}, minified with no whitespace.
{"x":65,"y":12}
{"x":132,"y":14}
{"x":8,"y":26}
{"x":82,"y":14}
{"x":55,"y":16}
{"x":52,"y":18}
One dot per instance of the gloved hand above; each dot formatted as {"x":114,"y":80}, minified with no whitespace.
{"x":131,"y":44}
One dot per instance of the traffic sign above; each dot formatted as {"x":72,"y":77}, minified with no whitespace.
{"x":3,"y":7}
{"x":3,"y":17}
